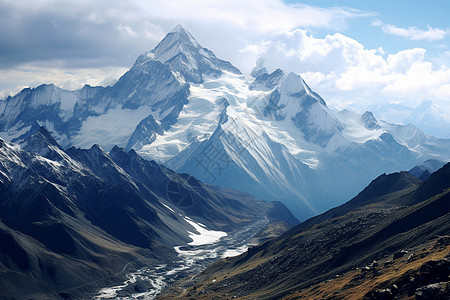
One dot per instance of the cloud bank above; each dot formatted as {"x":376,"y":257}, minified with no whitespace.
{"x":346,"y":73}
{"x":73,"y":37}
{"x":413,"y":33}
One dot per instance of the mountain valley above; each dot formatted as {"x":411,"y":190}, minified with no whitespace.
{"x":73,"y":221}
{"x":389,"y":242}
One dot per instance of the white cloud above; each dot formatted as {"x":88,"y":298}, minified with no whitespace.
{"x":346,"y":73}
{"x":257,"y":15}
{"x":101,"y":34}
{"x":30,"y":75}
{"x":444,"y":91}
{"x":260,"y":16}
{"x":413,"y":33}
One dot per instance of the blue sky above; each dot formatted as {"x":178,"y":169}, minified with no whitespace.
{"x":400,"y":13}
{"x":355,"y":54}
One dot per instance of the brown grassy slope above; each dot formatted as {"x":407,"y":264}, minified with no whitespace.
{"x":308,"y":257}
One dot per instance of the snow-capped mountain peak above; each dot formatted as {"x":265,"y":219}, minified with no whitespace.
{"x":41,"y":139}
{"x":259,"y":69}
{"x":293,"y":83}
{"x":370,"y":122}
{"x":291,"y":96}
{"x":423,"y":170}
{"x":176,"y":42}
{"x":294,"y":86}
{"x":184,"y":54}
{"x":43,"y":144}
{"x":184,"y":34}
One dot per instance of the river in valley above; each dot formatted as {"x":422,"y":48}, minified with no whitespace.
{"x":148,"y":282}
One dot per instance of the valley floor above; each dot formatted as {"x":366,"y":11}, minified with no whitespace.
{"x":148,"y":282}
{"x":419,"y":273}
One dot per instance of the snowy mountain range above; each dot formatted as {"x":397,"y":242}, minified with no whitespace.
{"x":428,"y":116}
{"x":267,"y":134}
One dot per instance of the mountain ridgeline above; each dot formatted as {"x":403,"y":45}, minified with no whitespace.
{"x":268,"y":134}
{"x":72,"y":221}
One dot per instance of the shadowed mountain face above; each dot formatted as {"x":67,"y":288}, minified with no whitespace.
{"x":398,"y":221}
{"x":425,"y":169}
{"x":71,"y":220}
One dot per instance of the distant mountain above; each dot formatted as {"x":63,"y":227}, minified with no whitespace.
{"x":428,"y":116}
{"x":389,"y":242}
{"x":268,"y":134}
{"x":424,"y":170}
{"x":70,"y":220}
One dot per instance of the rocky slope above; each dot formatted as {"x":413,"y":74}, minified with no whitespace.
{"x":389,"y":242}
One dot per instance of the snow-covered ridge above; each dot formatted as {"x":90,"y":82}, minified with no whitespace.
{"x":230,"y":95}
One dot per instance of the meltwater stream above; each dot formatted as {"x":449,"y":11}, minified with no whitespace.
{"x":148,"y":282}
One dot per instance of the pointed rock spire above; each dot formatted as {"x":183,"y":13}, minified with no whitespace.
{"x":44,"y":144}
{"x":41,"y":139}
{"x":259,"y":68}
{"x":370,"y":122}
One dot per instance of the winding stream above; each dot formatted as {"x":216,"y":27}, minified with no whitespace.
{"x":148,"y":282}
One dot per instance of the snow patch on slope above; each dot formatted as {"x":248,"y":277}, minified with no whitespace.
{"x":354,"y":129}
{"x":203,"y":236}
{"x":112,"y":128}
{"x":235,"y":252}
{"x":199,"y":118}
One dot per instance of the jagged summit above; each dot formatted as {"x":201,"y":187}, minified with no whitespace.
{"x":370,"y":122}
{"x":184,"y":54}
{"x":175,"y":42}
{"x":66,"y":213}
{"x":45,"y":135}
{"x":178,"y":28}
{"x":259,"y":68}
{"x":40,"y":142}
